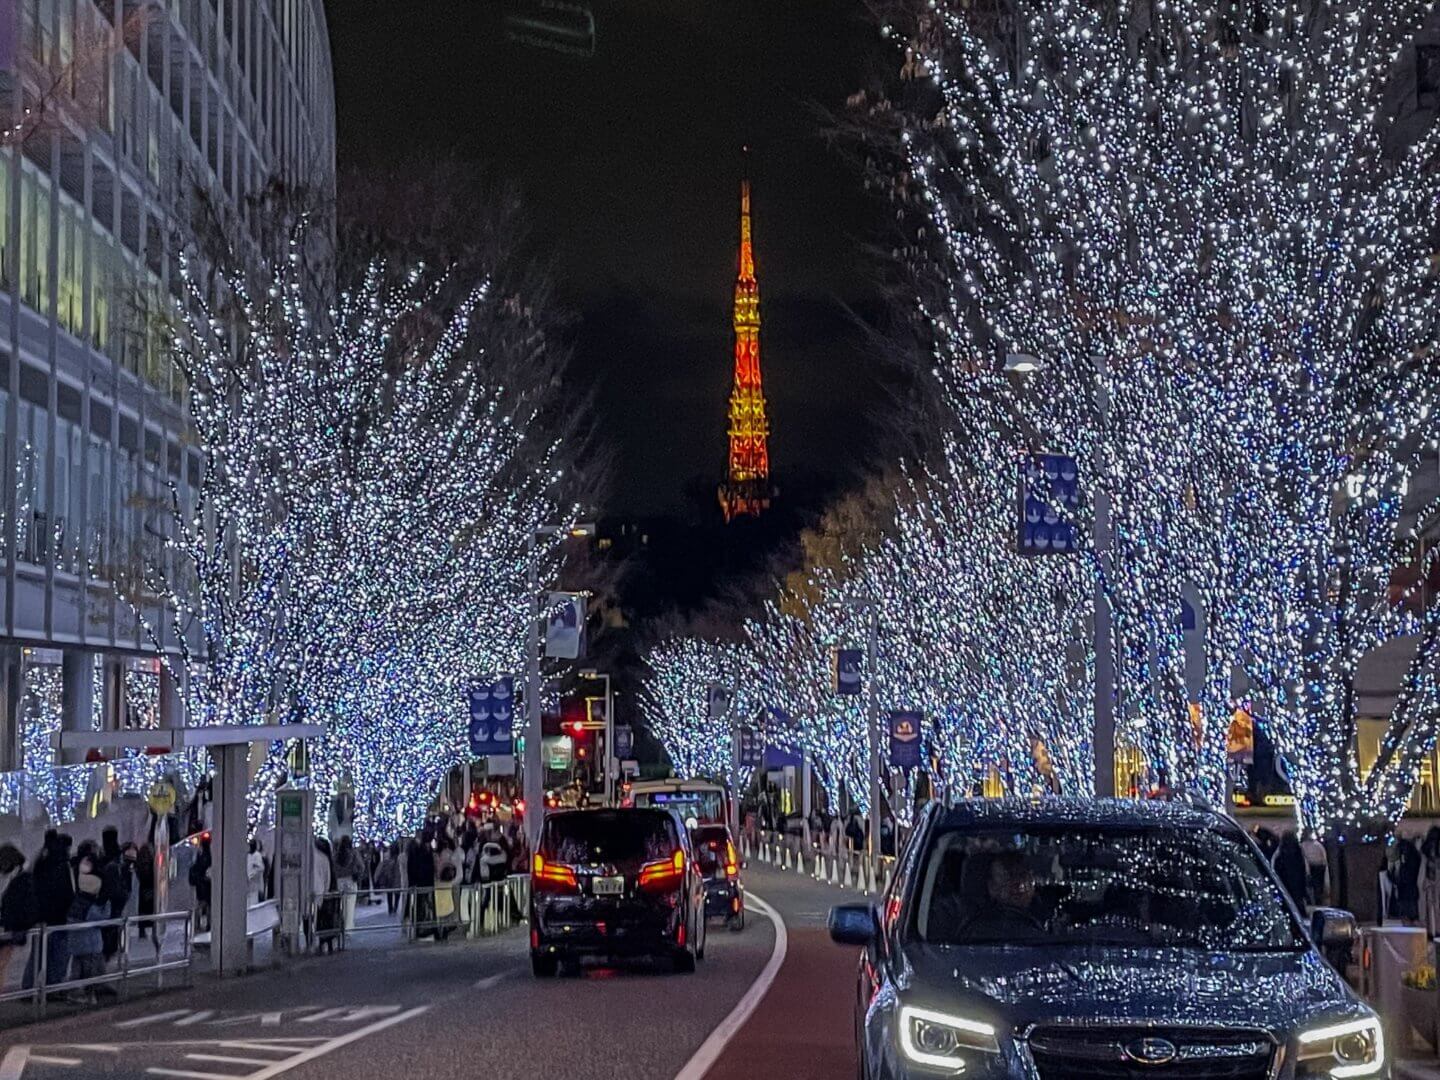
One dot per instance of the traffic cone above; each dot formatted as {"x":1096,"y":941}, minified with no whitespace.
{"x":846,"y":881}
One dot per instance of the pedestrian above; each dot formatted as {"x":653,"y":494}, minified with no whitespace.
{"x":1404,"y":874}
{"x":447,"y":882}
{"x":1430,"y":880}
{"x":54,"y":894}
{"x":254,"y":873}
{"x":855,"y":831}
{"x":1289,"y":863}
{"x":387,"y":877}
{"x":86,"y":945}
{"x":117,"y":879}
{"x":347,"y":869}
{"x":199,"y":878}
{"x":145,"y":882}
{"x":328,"y":924}
{"x":420,"y":875}
{"x":18,"y":914}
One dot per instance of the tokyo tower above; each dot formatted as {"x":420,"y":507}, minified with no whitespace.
{"x":746,"y":491}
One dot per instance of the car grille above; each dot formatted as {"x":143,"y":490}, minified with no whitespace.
{"x":1120,"y":1053}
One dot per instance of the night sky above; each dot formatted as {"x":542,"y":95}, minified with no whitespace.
{"x":629,"y":166}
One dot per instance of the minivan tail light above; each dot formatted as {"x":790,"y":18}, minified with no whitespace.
{"x":663,"y":875}
{"x":553,"y":877}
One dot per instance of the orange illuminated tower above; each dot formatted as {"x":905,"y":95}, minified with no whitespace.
{"x":746,"y":491}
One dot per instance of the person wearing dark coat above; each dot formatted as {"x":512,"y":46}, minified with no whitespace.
{"x":54,"y":896}
{"x":1404,"y":873}
{"x":1289,"y":863}
{"x":145,"y":882}
{"x":420,"y":880}
{"x":117,"y":882}
{"x":17,"y":905}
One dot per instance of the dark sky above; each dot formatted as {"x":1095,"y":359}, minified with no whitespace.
{"x":629,"y":167}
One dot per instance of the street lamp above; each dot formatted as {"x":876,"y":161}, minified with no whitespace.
{"x":534,"y":644}
{"x":608,"y":761}
{"x":1103,"y":738}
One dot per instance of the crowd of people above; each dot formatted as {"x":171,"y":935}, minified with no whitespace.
{"x":62,"y":887}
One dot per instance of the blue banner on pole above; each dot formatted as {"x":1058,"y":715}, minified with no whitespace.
{"x":624,"y":740}
{"x":492,"y":718}
{"x":905,"y":727}
{"x":1049,"y":500}
{"x":752,"y":749}
{"x":849,"y":671}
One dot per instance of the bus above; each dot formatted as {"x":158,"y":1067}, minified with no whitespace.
{"x":699,"y":802}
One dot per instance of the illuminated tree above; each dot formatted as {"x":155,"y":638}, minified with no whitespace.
{"x":675,"y":701}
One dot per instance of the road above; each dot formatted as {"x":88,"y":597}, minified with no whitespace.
{"x":426,"y":1010}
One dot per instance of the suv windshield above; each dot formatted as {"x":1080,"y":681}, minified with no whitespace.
{"x":1039,"y":885}
{"x":619,"y":837}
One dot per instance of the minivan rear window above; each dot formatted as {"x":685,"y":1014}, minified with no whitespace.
{"x":609,"y":836}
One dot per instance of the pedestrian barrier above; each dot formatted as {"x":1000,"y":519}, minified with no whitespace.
{"x":51,"y":952}
{"x":471,"y":911}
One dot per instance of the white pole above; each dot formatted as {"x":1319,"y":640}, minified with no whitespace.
{"x":873,"y":723}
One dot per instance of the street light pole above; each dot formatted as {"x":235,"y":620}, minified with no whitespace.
{"x":872,"y":725}
{"x":534,"y":786}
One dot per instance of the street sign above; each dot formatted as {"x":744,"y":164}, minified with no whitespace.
{"x":1049,"y":500}
{"x":565,"y":626}
{"x":752,"y":749}
{"x":624,"y":741}
{"x":905,"y":726}
{"x":717,"y":702}
{"x":848,"y":666}
{"x":492,"y":717}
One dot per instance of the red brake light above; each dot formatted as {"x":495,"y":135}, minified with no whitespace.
{"x":552,"y":877}
{"x":519,"y":806}
{"x":663,"y":875}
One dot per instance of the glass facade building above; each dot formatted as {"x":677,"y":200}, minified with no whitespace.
{"x":126,"y":123}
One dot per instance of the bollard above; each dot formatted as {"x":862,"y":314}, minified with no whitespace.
{"x":846,"y":881}
{"x":834,"y":871}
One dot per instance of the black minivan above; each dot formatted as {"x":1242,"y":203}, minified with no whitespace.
{"x":1060,"y":939}
{"x":615,"y":884}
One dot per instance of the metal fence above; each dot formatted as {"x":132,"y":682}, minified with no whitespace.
{"x":833,"y":863}
{"x":469,"y":911}
{"x":147,"y":946}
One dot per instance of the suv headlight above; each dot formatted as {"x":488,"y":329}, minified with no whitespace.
{"x":1348,"y":1048}
{"x":943,"y":1041}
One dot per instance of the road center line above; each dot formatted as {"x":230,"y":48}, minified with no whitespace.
{"x":490,"y":981}
{"x":334,"y":1044}
{"x":711,"y":1049}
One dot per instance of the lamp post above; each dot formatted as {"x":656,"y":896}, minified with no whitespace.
{"x":608,"y":761}
{"x":534,"y":780}
{"x":1102,"y":740}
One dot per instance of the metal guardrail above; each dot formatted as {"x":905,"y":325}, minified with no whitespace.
{"x":479,"y":910}
{"x":137,"y":957}
{"x":833,"y":864}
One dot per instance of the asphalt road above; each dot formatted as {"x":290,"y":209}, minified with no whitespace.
{"x":428,"y":1011}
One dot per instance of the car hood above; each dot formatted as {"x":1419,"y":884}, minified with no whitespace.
{"x":1020,"y":985}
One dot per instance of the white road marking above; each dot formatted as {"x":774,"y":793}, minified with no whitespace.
{"x":13,"y":1063}
{"x":711,"y":1049}
{"x":224,"y":1059}
{"x":350,"y":1014}
{"x":489,"y":982}
{"x":186,"y":1074}
{"x":195,"y":1018}
{"x":153,"y":1018}
{"x":46,"y":1059}
{"x":324,"y":1048}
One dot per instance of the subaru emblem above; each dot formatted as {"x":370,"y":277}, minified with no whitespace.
{"x":1151,"y":1051}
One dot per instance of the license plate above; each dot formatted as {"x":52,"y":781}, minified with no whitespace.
{"x":608,"y":886}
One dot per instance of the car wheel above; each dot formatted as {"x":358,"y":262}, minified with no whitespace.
{"x":704,"y":938}
{"x":544,"y":966}
{"x":736,"y":922}
{"x":685,"y":962}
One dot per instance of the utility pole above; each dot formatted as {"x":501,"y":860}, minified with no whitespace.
{"x":1104,"y":630}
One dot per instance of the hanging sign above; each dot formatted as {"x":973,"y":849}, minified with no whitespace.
{"x":492,"y":717}
{"x":905,"y":725}
{"x":848,"y":667}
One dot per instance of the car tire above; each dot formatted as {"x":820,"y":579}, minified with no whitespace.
{"x":704,"y":939}
{"x":736,"y":922}
{"x":685,"y":962}
{"x":544,"y":966}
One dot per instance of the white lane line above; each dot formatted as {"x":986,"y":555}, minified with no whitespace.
{"x":334,"y":1044}
{"x":185,"y":1074}
{"x":222,"y":1059}
{"x":46,"y":1059}
{"x":711,"y":1049}
{"x":12,"y":1065}
{"x":153,"y":1018}
{"x":489,"y":982}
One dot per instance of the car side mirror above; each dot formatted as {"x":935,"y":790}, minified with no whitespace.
{"x":1331,"y":928}
{"x":852,"y":924}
